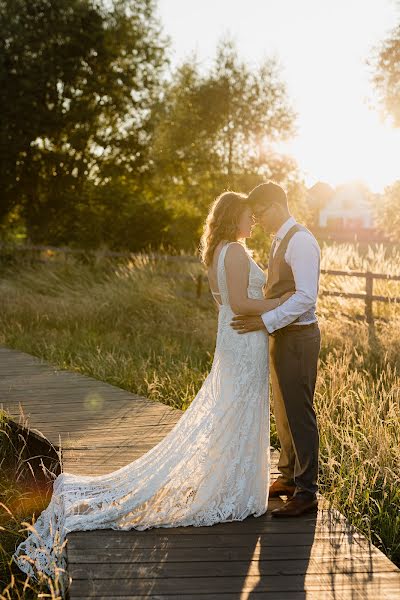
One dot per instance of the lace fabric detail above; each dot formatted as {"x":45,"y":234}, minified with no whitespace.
{"x":212,"y":467}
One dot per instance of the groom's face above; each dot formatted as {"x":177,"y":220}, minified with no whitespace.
{"x":266,"y":215}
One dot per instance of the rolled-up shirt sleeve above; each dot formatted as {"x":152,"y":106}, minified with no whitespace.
{"x":303,"y":255}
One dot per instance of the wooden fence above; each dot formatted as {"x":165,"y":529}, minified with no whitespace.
{"x":48,"y":251}
{"x":368,"y":296}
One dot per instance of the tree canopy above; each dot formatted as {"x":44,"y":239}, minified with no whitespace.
{"x":386,"y":78}
{"x":101,"y":145}
{"x":210,"y":131}
{"x":387,"y":75}
{"x":77,"y":85}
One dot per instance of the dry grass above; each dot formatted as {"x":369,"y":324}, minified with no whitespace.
{"x":130,"y":324}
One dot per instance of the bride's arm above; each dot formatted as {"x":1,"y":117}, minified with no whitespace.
{"x":237,"y":268}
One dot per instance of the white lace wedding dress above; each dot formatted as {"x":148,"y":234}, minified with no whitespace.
{"x":212,"y":467}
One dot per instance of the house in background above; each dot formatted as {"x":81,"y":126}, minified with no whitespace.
{"x":343,"y":213}
{"x":348,"y":208}
{"x":319,"y":195}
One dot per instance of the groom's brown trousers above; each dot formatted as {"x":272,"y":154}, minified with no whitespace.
{"x":294,"y":352}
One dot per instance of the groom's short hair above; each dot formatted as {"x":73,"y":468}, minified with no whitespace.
{"x":267,"y":193}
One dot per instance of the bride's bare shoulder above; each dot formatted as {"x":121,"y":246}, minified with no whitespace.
{"x":236,"y":253}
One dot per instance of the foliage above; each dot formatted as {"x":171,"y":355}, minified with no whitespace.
{"x":387,"y":214}
{"x":386,"y":77}
{"x":112,"y":155}
{"x":77,"y":84}
{"x":209,"y":134}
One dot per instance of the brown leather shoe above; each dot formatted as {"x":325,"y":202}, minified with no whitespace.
{"x":298,"y":505}
{"x":281,"y":489}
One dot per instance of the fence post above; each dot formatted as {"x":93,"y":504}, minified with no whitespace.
{"x":199,"y":285}
{"x":369,"y":280}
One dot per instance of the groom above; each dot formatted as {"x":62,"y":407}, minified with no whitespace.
{"x":294,"y":266}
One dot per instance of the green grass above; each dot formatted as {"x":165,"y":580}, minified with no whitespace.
{"x":130,"y":324}
{"x":124,"y":326}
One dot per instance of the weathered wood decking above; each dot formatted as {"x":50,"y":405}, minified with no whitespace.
{"x":101,"y":428}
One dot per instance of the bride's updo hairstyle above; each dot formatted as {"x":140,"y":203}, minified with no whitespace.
{"x":221,"y":223}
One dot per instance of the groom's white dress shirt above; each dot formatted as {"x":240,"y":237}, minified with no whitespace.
{"x":303,"y":256}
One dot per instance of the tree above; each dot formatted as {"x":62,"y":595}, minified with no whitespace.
{"x":121,"y":216}
{"x":387,"y":75}
{"x":78,"y":79}
{"x":251,"y":106}
{"x":209,"y":134}
{"x":387,"y":212}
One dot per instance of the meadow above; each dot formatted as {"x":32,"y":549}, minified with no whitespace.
{"x":137,"y":324}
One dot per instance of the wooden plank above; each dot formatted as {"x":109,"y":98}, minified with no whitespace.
{"x":97,"y":423}
{"x":268,"y":527}
{"x":266,"y":595}
{"x":324,"y":551}
{"x":37,"y":400}
{"x":37,"y":407}
{"x":249,"y":583}
{"x":244,"y":596}
{"x":94,"y":416}
{"x":259,"y":566}
{"x":148,"y":539}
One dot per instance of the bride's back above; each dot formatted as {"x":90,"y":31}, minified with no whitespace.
{"x":256,"y":277}
{"x":212,"y":273}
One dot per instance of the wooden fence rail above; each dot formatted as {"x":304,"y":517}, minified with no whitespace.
{"x":368,"y":296}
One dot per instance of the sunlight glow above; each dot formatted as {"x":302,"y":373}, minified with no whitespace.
{"x":93,"y":401}
{"x":322,"y":48}
{"x":363,"y":150}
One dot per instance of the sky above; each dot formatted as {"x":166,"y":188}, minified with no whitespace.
{"x":322,"y":46}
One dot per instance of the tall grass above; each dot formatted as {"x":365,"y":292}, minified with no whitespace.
{"x":125,"y":325}
{"x":130,"y":324}
{"x":377,"y":259}
{"x":359,"y":420}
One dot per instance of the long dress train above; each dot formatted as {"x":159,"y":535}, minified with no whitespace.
{"x":212,"y":467}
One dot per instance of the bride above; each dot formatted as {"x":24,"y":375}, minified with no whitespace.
{"x":213,"y":466}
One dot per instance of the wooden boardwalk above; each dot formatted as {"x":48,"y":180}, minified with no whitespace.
{"x":101,"y":428}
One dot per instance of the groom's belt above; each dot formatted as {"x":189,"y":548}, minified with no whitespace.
{"x":291,"y":327}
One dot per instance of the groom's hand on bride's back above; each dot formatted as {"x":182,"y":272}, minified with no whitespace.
{"x":247,"y":323}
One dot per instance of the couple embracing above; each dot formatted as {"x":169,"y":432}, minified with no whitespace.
{"x":214,"y":465}
{"x":281,"y":329}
